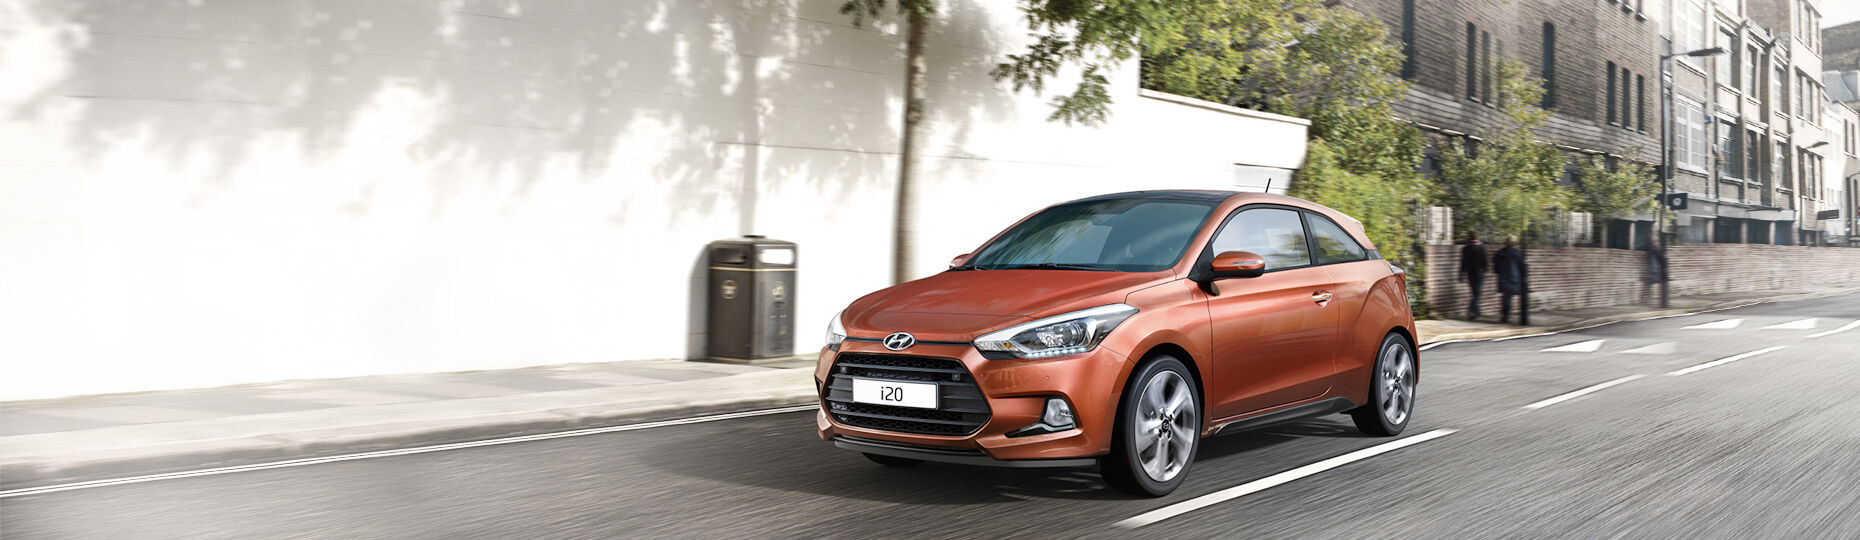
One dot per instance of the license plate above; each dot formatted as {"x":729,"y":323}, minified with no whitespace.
{"x":898,"y":394}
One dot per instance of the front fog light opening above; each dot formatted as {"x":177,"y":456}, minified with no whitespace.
{"x":1055,"y":417}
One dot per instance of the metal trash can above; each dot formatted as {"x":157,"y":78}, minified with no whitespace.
{"x":751,"y":310}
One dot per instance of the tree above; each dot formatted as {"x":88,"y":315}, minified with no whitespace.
{"x":1509,"y":183}
{"x":1628,"y":190}
{"x":917,"y":15}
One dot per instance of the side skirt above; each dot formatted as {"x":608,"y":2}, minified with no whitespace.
{"x":1308,"y":410}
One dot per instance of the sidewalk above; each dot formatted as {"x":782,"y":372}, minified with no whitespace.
{"x":96,"y":437}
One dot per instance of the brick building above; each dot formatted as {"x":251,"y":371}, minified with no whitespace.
{"x":1743,"y":127}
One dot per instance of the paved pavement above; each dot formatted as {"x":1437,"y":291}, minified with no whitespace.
{"x":1736,"y":423}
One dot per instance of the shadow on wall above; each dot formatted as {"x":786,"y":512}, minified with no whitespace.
{"x":679,"y":114}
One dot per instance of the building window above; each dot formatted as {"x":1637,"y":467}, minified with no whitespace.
{"x":1779,"y":101}
{"x":1407,"y":39}
{"x":1549,"y":65}
{"x":1689,"y":30}
{"x":1726,"y":64}
{"x":1779,"y":164}
{"x":1485,"y":66}
{"x":1753,"y":156}
{"x":1689,"y":142}
{"x":1749,"y":84}
{"x":1627,"y":103}
{"x":1640,"y":102}
{"x":1730,"y":151}
{"x":1472,"y":62}
{"x":1611,"y":93}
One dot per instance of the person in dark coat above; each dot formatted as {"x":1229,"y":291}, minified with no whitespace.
{"x":1509,"y":265}
{"x":1656,"y":270}
{"x":1472,"y":271}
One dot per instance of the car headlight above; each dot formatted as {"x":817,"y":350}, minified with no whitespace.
{"x":836,"y":332}
{"x":1074,"y":332}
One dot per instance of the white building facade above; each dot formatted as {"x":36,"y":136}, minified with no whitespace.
{"x":207,"y":193}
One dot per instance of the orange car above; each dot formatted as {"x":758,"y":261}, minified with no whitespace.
{"x":1118,"y":331}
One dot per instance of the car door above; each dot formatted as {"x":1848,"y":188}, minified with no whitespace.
{"x":1356,"y":272}
{"x":1271,"y":333}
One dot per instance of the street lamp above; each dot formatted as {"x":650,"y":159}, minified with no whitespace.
{"x":1666,"y":153}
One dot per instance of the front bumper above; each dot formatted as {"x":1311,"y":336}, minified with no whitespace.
{"x":1015,"y":391}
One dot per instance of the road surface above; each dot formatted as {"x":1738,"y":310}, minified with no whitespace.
{"x":1660,"y":428}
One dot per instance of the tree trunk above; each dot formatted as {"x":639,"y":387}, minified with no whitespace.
{"x":902,"y":259}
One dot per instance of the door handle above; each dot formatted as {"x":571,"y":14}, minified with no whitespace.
{"x":1320,"y":297}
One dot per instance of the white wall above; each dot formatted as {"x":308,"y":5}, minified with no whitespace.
{"x":209,"y":192}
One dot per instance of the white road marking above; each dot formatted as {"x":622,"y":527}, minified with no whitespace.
{"x":1586,"y":346}
{"x":1850,"y":326}
{"x":1722,"y":361}
{"x":398,"y":452}
{"x":1509,"y":338}
{"x":1804,"y":324}
{"x":1438,"y":343}
{"x":1580,"y":393}
{"x":1667,"y":347}
{"x":1726,"y":324}
{"x":1269,"y":482}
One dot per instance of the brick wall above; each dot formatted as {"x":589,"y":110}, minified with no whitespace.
{"x":1590,"y":33}
{"x":1578,"y":277}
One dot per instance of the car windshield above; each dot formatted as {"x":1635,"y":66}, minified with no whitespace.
{"x":1125,"y":235}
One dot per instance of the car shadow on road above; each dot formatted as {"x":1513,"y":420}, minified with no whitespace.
{"x":804,"y":464}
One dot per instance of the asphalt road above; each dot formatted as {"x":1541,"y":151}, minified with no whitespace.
{"x":1764,"y":446}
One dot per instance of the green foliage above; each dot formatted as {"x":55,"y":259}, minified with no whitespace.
{"x":1386,"y":205}
{"x":1296,"y":57}
{"x":861,"y":10}
{"x":1511,"y":182}
{"x":1628,"y":190}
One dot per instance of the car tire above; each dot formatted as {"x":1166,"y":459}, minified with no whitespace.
{"x":1161,"y":409}
{"x":1391,"y":389}
{"x":893,"y":461}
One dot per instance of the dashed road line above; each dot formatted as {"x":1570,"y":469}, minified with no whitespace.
{"x":1586,"y":346}
{"x":1664,"y":347}
{"x":1850,"y":326}
{"x":1804,"y":324}
{"x":1580,"y":393}
{"x":1726,"y":324}
{"x":1722,"y":361}
{"x":1269,"y":482}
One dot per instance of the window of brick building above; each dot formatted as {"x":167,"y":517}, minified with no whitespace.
{"x":1611,"y":93}
{"x":1627,"y":101}
{"x":1749,"y":82}
{"x":1689,"y":30}
{"x":1689,"y":142}
{"x":1640,"y":102}
{"x":1779,"y":100}
{"x":1753,"y":156}
{"x":1730,"y":150}
{"x":1472,"y":62}
{"x":1407,"y":39}
{"x":1726,"y":64}
{"x":1485,"y":66}
{"x":1779,"y":163}
{"x":1549,"y":61}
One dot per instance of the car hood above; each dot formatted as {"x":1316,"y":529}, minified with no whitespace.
{"x":961,"y":305}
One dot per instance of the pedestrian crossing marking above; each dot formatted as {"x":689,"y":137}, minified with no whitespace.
{"x":1586,"y":346}
{"x":1726,"y":324}
{"x":1804,"y":324}
{"x":1657,"y":348}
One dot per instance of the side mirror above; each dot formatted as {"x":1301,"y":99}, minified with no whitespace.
{"x":963,"y":258}
{"x":1242,"y":264}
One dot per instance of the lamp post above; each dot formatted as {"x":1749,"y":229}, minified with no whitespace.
{"x":1666,"y":153}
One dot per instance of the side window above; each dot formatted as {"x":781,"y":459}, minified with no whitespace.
{"x":1333,"y":245}
{"x":1272,"y":233}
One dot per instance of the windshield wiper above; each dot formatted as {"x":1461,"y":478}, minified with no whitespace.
{"x":1058,"y":266}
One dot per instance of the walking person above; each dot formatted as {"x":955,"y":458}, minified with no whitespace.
{"x":1655,"y":275}
{"x":1472,"y":271}
{"x":1509,"y":265}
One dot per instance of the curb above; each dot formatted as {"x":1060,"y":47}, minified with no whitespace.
{"x":1501,"y":333}
{"x":25,"y":472}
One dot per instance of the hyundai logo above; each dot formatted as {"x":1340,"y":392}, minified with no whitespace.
{"x":900,"y":341}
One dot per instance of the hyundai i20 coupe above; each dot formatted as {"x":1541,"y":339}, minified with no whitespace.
{"x":1120,"y":330}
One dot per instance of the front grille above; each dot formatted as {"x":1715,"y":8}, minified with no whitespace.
{"x":961,"y":409}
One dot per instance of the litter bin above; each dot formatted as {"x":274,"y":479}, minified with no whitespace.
{"x":751,"y":299}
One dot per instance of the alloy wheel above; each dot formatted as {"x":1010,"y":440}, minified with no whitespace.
{"x":1167,"y":426}
{"x":1398,"y":381}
